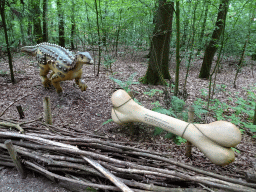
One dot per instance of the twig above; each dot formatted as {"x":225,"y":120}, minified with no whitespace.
{"x":15,"y":158}
{"x":12,"y":104}
{"x":17,"y":126}
{"x":109,"y":175}
{"x":41,"y":170}
{"x":206,"y":188}
{"x":32,"y":121}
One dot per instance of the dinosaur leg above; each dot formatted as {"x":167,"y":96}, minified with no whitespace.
{"x":80,"y":82}
{"x":56,"y":82}
{"x":44,"y":69}
{"x":51,"y":74}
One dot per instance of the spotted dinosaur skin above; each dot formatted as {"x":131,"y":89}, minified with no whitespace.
{"x":63,"y":64}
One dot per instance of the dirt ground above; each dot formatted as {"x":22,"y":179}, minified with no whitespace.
{"x":87,"y":110}
{"x":10,"y":181}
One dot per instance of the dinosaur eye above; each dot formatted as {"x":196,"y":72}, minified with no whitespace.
{"x":82,"y":56}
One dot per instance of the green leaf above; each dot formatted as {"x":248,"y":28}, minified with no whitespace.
{"x":162,"y":110}
{"x":108,"y":121}
{"x":251,"y":127}
{"x":236,"y":150}
{"x":169,"y":135}
{"x":158,"y":131}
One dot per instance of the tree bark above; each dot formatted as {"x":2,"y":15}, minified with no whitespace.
{"x":212,"y":46}
{"x":37,"y":21}
{"x":61,"y":24}
{"x":158,"y":68}
{"x":203,"y":27}
{"x":2,"y":10}
{"x":176,"y":89}
{"x":45,"y":28}
{"x":99,"y":38}
{"x":73,"y":27}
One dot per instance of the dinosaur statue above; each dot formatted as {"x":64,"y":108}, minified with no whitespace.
{"x":63,"y":64}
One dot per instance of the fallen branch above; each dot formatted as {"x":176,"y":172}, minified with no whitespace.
{"x":17,"y":126}
{"x":109,"y":175}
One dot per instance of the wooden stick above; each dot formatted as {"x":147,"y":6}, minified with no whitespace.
{"x":20,"y":111}
{"x":15,"y":158}
{"x":17,"y":126}
{"x":109,"y":175}
{"x":41,"y":170}
{"x":47,"y":110}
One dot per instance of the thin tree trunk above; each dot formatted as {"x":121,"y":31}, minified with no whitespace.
{"x":73,"y":27}
{"x":176,"y":90}
{"x":2,"y":9}
{"x":212,"y":47}
{"x":99,"y":38}
{"x":37,"y":21}
{"x":89,"y":25}
{"x":203,"y":27}
{"x":191,"y":44}
{"x":45,"y":28}
{"x":61,"y":24}
{"x":254,"y":117}
{"x":118,"y":31}
{"x":240,"y":63}
{"x":186,"y":23}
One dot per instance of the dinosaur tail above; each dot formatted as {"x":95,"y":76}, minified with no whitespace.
{"x":29,"y":49}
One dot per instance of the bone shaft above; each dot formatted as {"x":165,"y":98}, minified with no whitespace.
{"x":167,"y":123}
{"x":137,"y":113}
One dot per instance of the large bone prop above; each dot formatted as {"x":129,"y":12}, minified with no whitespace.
{"x":214,"y":139}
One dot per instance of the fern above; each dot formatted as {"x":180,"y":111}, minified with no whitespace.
{"x":164,"y":111}
{"x":152,"y":92}
{"x":126,"y":84}
{"x":177,"y":104}
{"x":199,"y":110}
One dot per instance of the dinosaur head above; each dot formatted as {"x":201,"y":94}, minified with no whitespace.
{"x":84,"y":58}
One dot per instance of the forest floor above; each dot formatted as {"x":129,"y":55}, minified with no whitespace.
{"x":76,"y":110}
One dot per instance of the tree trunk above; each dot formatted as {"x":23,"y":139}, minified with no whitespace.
{"x":254,"y":117}
{"x":61,"y":24}
{"x":91,"y":39}
{"x":203,"y":27}
{"x":99,"y":38}
{"x":176,"y":90}
{"x":212,"y":47}
{"x":73,"y":27}
{"x":191,"y":43}
{"x":158,"y":68}
{"x":2,"y":10}
{"x":37,"y":21}
{"x":186,"y":23}
{"x":45,"y":28}
{"x":118,"y":31}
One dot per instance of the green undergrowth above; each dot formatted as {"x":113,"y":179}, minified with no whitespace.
{"x":237,"y":110}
